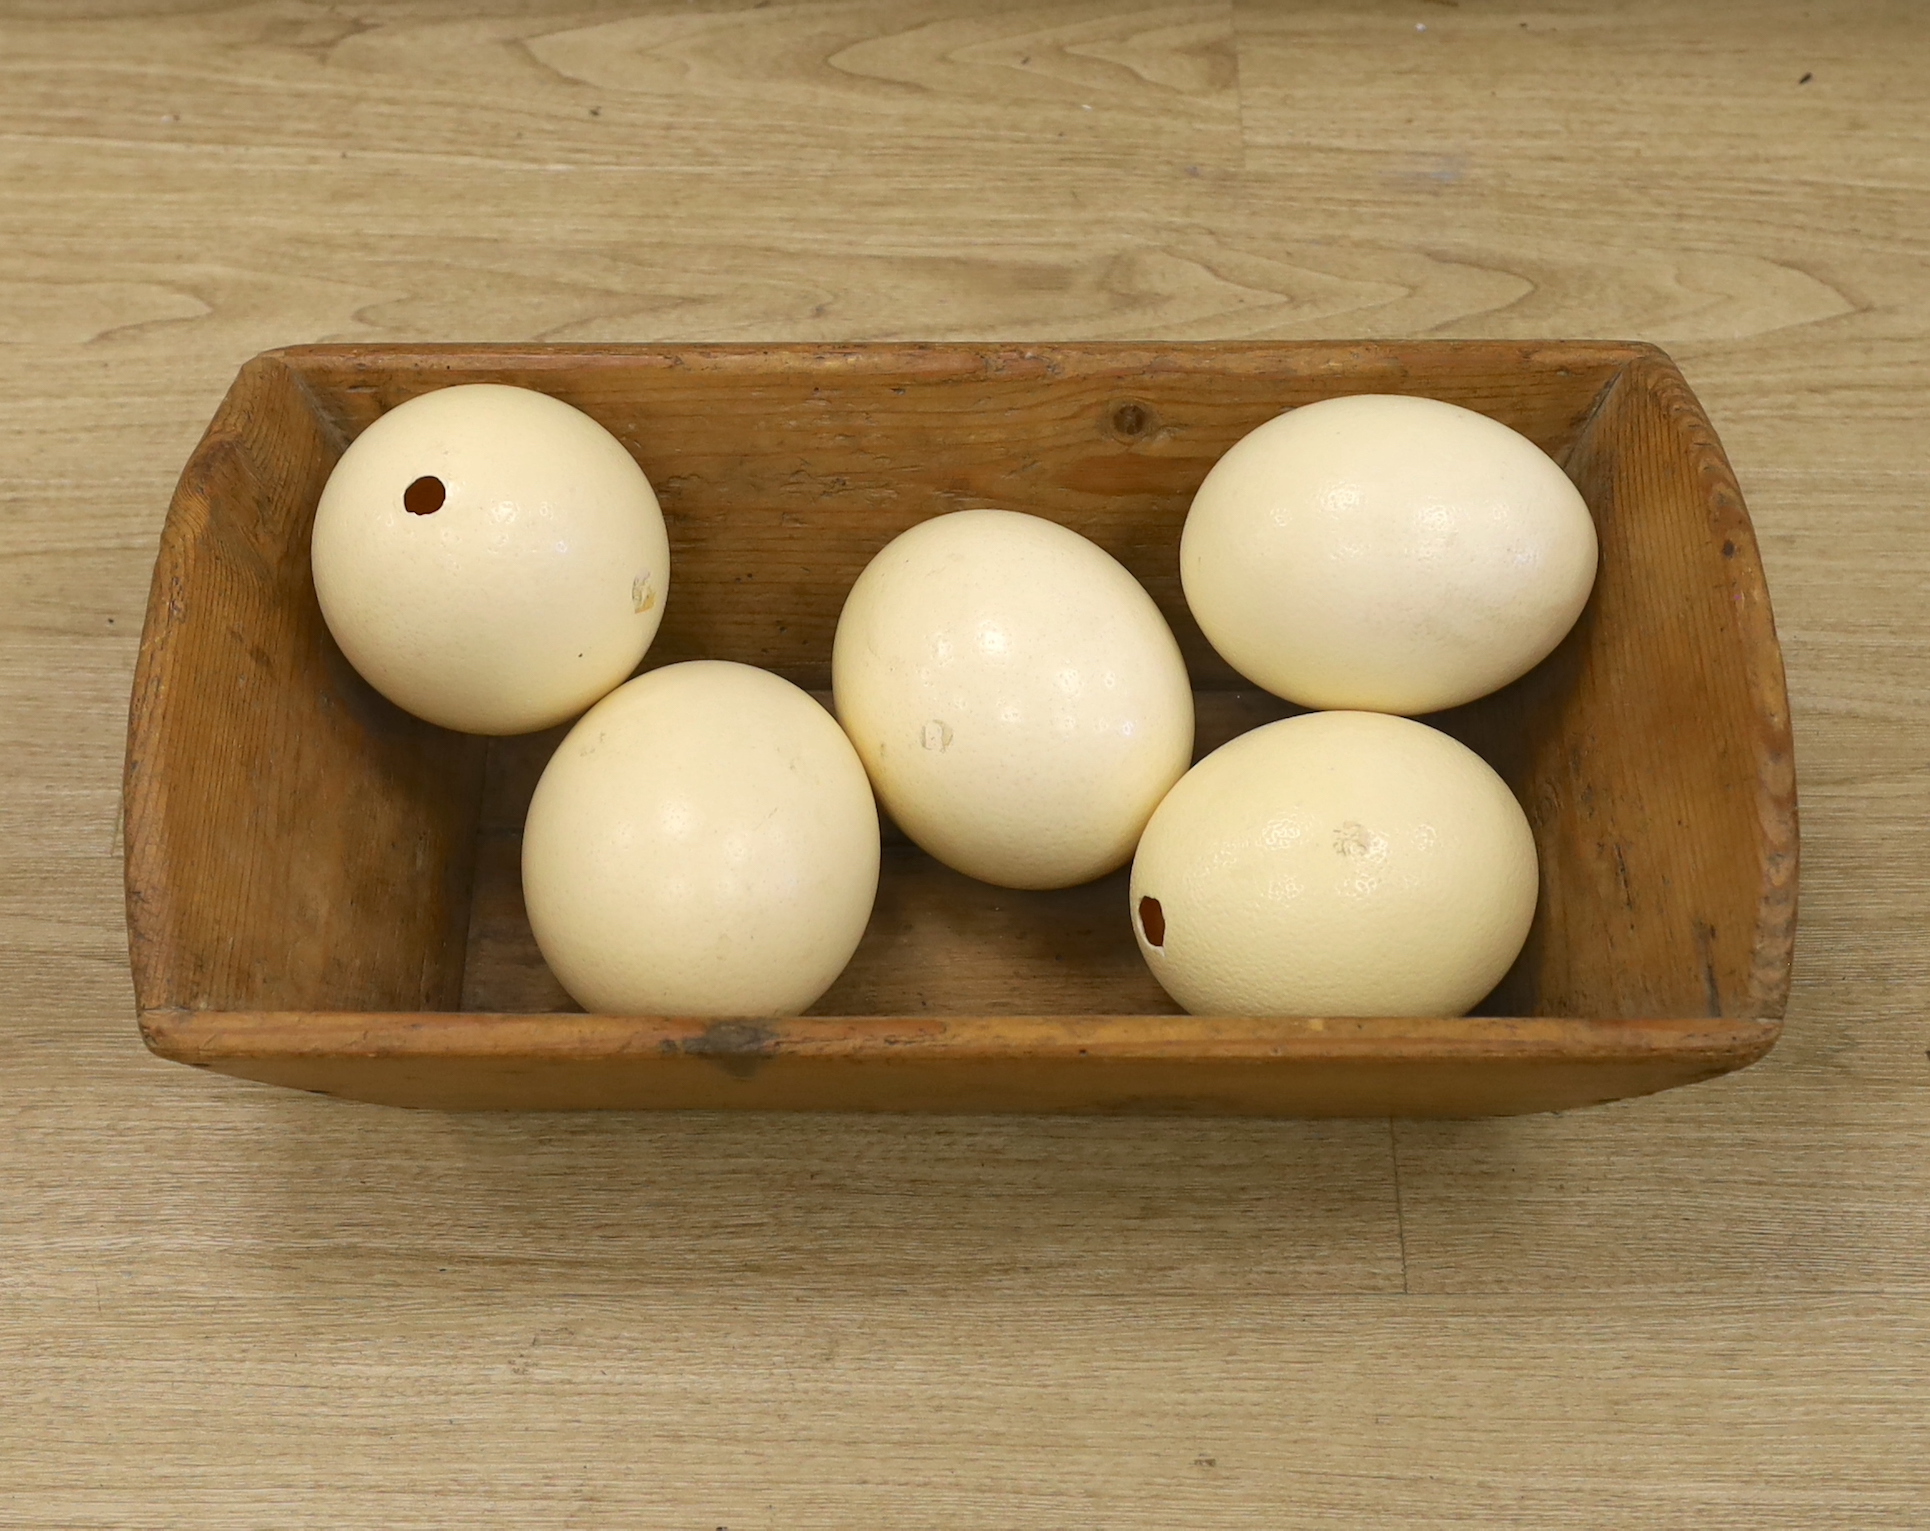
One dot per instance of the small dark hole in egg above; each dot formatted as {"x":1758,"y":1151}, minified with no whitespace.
{"x":1152,"y":920}
{"x":425,"y":496}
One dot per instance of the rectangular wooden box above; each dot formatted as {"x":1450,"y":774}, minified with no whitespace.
{"x":322,"y":891}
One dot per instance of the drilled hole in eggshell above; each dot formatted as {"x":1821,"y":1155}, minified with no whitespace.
{"x":425,"y":496}
{"x":1152,"y":920}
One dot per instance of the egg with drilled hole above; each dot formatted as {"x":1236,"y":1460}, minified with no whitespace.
{"x":1015,"y":695}
{"x":702,"y":843}
{"x":1335,"y":864}
{"x":1388,"y":553}
{"x":490,"y":558}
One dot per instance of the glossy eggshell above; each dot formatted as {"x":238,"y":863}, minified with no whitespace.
{"x":1384,"y":552}
{"x":530,"y":590}
{"x":1335,"y":864}
{"x":702,"y":843}
{"x":1015,"y":695}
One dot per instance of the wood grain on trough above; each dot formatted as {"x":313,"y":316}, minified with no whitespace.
{"x":295,"y":844}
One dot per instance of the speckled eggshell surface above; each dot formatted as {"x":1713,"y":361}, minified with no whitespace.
{"x":1015,"y":695}
{"x":490,"y":558}
{"x":702,"y":843}
{"x":1335,"y":864}
{"x":1388,"y":553}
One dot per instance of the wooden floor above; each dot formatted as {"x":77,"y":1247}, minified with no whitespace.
{"x":223,"y":1306}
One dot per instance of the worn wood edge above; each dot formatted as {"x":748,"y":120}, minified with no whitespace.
{"x":149,"y":886}
{"x":886,"y":356}
{"x":1773,"y":947}
{"x":206,"y":1037}
{"x":326,"y":367}
{"x":1064,"y":1065}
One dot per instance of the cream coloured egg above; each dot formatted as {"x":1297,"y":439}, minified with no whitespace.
{"x":702,"y":843}
{"x":490,"y":558}
{"x":1335,"y":864}
{"x":1015,"y":695}
{"x":1387,"y":553}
